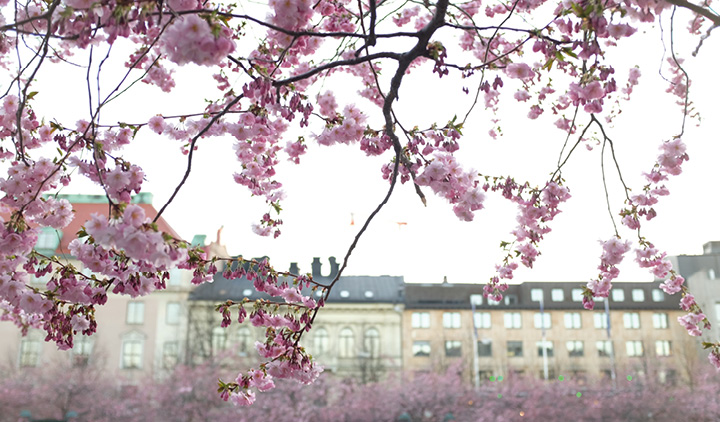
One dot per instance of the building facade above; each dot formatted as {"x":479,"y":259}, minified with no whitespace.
{"x":356,"y":334}
{"x":448,"y":325}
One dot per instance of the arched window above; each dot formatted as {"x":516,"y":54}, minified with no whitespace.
{"x":244,"y":341}
{"x":347,"y":343}
{"x":321,"y":341}
{"x":372,"y":343}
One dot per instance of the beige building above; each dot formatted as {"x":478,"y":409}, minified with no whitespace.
{"x":135,"y":337}
{"x":517,"y":337}
{"x":356,"y":334}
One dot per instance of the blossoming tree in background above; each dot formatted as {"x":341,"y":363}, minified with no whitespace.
{"x":275,"y":66}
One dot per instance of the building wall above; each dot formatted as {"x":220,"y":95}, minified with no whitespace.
{"x":501,"y":362}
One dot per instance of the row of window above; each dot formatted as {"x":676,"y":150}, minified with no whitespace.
{"x":575,"y":348}
{"x":558,"y":295}
{"x":136,"y":313}
{"x":513,"y":320}
{"x":320,"y":342}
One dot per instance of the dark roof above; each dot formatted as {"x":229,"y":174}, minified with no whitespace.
{"x":518,"y":296}
{"x":349,"y":289}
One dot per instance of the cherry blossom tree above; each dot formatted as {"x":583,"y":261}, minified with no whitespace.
{"x":278,"y":68}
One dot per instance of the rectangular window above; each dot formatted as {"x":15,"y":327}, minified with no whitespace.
{"x":421,"y":320}
{"x":600,"y":320}
{"x":575,"y":348}
{"x":658,"y":295}
{"x":172,"y":313}
{"x":514,"y":349}
{"x":421,"y":348}
{"x":482,"y":320}
{"x":631,"y":320}
{"x":604,"y":348}
{"x":557,"y":295}
{"x":638,"y":295}
{"x":662,"y":348}
{"x":660,"y":320}
{"x":618,"y":295}
{"x":484,"y":348}
{"x":634,"y":348}
{"x":513,"y":320}
{"x":175,"y":277}
{"x":132,"y":354}
{"x":548,"y":345}
{"x":476,"y":299}
{"x":542,"y":320}
{"x":573,"y":321}
{"x":82,"y":348}
{"x":135,"y":313}
{"x":453,"y":348}
{"x":451,"y":319}
{"x":30,"y":351}
{"x":717,"y":311}
{"x":492,"y":302}
{"x":511,"y":300}
{"x":536,"y":295}
{"x":171,"y":352}
{"x":577,"y":295}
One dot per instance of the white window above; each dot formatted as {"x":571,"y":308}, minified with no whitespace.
{"x":536,"y":295}
{"x":575,"y":348}
{"x":321,"y":342}
{"x":219,"y":339}
{"x":604,"y":348}
{"x":172,"y":313}
{"x":482,"y":320}
{"x":634,"y":348}
{"x":371,"y":343}
{"x":344,"y":293}
{"x":421,"y":348}
{"x":135,"y":312}
{"x":175,"y":277}
{"x":542,"y":320}
{"x":638,"y":295}
{"x":476,"y":299}
{"x":717,"y":311}
{"x":513,"y":320}
{"x":132,"y":351}
{"x":631,"y":320}
{"x":547,"y":345}
{"x":82,"y":348}
{"x":573,"y":321}
{"x":421,"y":320}
{"x":247,"y":292}
{"x":453,"y":348}
{"x":30,"y":346}
{"x":493,"y":302}
{"x":711,"y":274}
{"x":618,"y":295}
{"x":171,"y":354}
{"x":245,"y":340}
{"x":662,"y":348}
{"x":658,"y":295}
{"x":577,"y":295}
{"x":557,"y":295}
{"x":347,"y":343}
{"x":660,"y":320}
{"x":451,"y":319}
{"x":600,"y":320}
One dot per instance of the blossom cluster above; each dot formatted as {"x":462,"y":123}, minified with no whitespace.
{"x":285,"y":320}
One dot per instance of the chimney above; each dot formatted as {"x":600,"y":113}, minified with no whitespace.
{"x":711,"y":248}
{"x":294,"y":269}
{"x":316,"y":265}
{"x":334,"y":267}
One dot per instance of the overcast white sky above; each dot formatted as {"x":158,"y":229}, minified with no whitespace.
{"x":334,"y":184}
